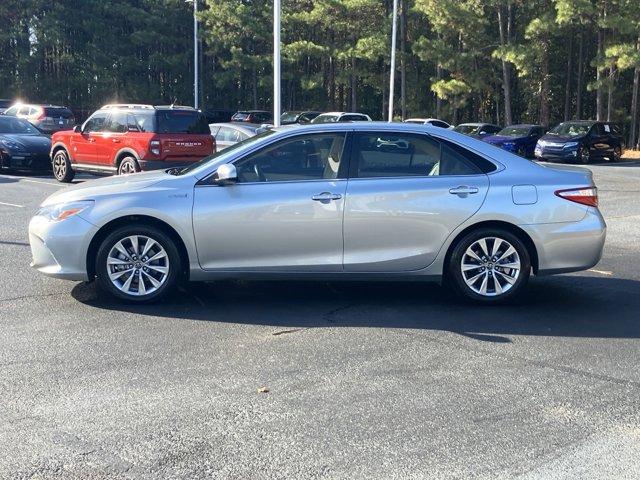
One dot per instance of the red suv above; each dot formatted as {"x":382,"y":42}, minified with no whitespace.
{"x":129,"y":138}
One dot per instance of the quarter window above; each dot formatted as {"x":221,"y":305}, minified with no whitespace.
{"x":308,"y":157}
{"x":401,"y":155}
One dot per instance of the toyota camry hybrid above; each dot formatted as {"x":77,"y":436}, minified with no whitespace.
{"x":365,"y":201}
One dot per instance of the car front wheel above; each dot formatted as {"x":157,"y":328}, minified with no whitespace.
{"x":583,"y":155}
{"x":61,"y":165}
{"x":489,"y":266}
{"x":138,"y":264}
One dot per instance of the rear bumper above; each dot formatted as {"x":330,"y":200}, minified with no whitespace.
{"x":146,"y":165}
{"x":569,"y":247}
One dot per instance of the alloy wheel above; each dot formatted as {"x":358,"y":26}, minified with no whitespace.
{"x":127,"y":167}
{"x":490,"y":266}
{"x":137,"y":265}
{"x":59,"y":165}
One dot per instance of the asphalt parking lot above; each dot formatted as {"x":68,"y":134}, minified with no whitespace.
{"x":378,"y":380}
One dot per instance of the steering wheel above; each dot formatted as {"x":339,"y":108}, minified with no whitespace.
{"x":259,"y":173}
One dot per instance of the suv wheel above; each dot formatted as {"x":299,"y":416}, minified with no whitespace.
{"x":583,"y":155}
{"x":138,"y":264}
{"x":128,"y":165}
{"x":61,"y":165}
{"x":489,"y":266}
{"x":617,"y":154}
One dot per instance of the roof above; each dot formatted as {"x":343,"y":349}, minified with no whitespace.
{"x":140,"y":106}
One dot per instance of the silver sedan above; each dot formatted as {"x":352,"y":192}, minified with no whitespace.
{"x":375,"y":201}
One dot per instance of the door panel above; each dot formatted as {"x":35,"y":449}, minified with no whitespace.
{"x":83,"y":146}
{"x":269,"y":226}
{"x":400,"y":224}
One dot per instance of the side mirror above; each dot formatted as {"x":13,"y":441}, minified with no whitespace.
{"x":225,"y":174}
{"x":77,"y":129}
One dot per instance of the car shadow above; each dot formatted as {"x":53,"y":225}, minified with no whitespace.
{"x":566,"y":306}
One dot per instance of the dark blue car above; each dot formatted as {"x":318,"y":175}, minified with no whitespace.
{"x":23,"y":146}
{"x":518,"y":139}
{"x":581,"y":141}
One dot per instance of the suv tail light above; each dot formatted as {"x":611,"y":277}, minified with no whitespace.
{"x":41,"y":114}
{"x":585,"y":195}
{"x":154,"y":145}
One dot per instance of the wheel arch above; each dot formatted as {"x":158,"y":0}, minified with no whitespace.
{"x":510,"y":227}
{"x":56,"y":147}
{"x":122,"y":154}
{"x":146,"y":220}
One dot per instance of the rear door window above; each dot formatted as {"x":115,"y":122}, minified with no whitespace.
{"x":181,"y":121}
{"x":387,"y":154}
{"x":117,"y":122}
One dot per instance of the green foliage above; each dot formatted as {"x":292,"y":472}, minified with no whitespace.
{"x":335,"y":54}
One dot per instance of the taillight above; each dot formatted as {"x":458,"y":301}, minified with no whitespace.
{"x":154,"y":146}
{"x":41,"y":114}
{"x":585,"y":195}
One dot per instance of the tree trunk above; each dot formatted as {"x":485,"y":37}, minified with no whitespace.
{"x":567,"y":86}
{"x":600,"y":56}
{"x":633,"y":139}
{"x":403,"y":63}
{"x":610,"y":85}
{"x":580,"y":74}
{"x":544,"y":83}
{"x":506,"y":67}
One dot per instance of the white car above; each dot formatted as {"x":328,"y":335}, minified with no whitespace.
{"x":428,"y":121}
{"x":333,"y":117}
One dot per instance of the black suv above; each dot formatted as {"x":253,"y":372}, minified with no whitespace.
{"x":582,"y":141}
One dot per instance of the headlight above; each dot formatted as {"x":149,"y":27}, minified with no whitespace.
{"x":10,"y":144}
{"x":571,"y":144}
{"x":62,"y":211}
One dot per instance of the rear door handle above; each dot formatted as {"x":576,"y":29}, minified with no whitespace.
{"x":463,"y":190}
{"x":326,"y":197}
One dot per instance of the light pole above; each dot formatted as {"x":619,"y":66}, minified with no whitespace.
{"x":276,"y":63}
{"x":392,"y":75}
{"x":195,"y":52}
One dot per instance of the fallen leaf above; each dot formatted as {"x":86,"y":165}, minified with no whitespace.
{"x":263,"y":390}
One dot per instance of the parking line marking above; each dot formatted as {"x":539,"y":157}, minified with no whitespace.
{"x":11,"y":204}
{"x":42,"y":183}
{"x":601,"y":272}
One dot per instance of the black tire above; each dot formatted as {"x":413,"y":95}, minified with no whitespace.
{"x":173,"y":264}
{"x":583,"y":156}
{"x":128,"y":165}
{"x":495,"y":273}
{"x":62,"y":170}
{"x":617,"y":154}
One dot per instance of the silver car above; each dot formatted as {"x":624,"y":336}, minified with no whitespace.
{"x":376,"y":201}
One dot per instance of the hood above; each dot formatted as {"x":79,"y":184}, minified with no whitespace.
{"x":92,"y":189}
{"x":561,"y":138}
{"x":30,"y":143}
{"x":500,"y":139}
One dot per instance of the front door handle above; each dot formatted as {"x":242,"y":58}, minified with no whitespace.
{"x":463,"y":190}
{"x":326,"y":197}
{"x":115,"y":140}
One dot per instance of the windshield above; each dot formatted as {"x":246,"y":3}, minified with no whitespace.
{"x":289,"y":117}
{"x":181,"y":121}
{"x":466,"y":129}
{"x":325,"y":119}
{"x":220,"y":156}
{"x":514,"y":132}
{"x":571,"y":129}
{"x":17,"y":126}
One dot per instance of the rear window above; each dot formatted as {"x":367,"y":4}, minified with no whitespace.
{"x":181,"y":121}
{"x":58,"y":112}
{"x":241,"y":116}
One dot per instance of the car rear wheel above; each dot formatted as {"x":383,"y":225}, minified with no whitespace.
{"x":617,"y":154}
{"x":489,"y":266}
{"x":128,"y":165}
{"x":138,"y":264}
{"x":61,"y":165}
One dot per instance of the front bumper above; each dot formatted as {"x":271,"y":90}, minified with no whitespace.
{"x":39,"y":161}
{"x":59,"y":249}
{"x":556,"y":153}
{"x":569,"y":246}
